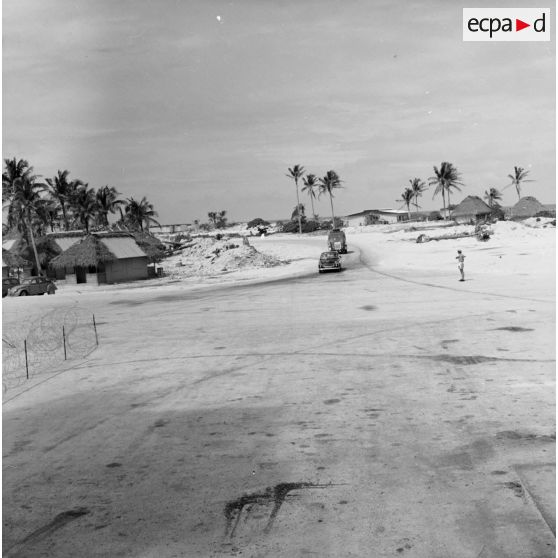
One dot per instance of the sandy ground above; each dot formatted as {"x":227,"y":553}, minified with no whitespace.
{"x":388,"y":410}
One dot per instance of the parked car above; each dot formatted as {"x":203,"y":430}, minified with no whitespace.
{"x":33,"y":286}
{"x":8,"y":283}
{"x":329,"y":261}
{"x":336,"y":240}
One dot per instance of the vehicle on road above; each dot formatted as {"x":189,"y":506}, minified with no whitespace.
{"x":329,"y":261}
{"x":336,"y":240}
{"x":8,"y":283}
{"x":33,"y":286}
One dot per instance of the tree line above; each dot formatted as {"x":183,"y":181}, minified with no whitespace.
{"x":314,"y":187}
{"x":59,"y":203}
{"x":447,"y":179}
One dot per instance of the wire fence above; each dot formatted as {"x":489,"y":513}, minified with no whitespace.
{"x":60,"y":336}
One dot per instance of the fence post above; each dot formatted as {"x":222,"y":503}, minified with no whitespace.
{"x":64,"y":338}
{"x":26,"y":363}
{"x":95,"y":328}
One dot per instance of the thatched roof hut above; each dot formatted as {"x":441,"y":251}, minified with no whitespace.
{"x":472,"y":207}
{"x":89,"y":252}
{"x":526,"y":207}
{"x":12,"y":260}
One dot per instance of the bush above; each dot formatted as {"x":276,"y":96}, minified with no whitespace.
{"x":325,"y":225}
{"x":181,"y":237}
{"x":290,"y":227}
{"x":256,"y":223}
{"x":310,"y":226}
{"x":546,"y":213}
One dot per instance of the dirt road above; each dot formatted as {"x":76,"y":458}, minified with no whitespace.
{"x":350,"y":414}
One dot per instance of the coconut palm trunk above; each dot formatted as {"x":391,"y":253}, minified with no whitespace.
{"x":298,"y":208}
{"x":313,"y":212}
{"x":332,"y":213}
{"x":27,"y":221}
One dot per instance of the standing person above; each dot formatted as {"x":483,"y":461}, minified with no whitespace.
{"x":461,"y":264}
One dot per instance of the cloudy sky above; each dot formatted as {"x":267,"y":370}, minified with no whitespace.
{"x":202,"y":105}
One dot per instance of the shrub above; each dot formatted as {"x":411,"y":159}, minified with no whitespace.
{"x":310,"y":226}
{"x":257,"y":222}
{"x":290,"y":227}
{"x":546,"y":213}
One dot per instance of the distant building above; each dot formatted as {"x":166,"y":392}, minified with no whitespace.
{"x":359,"y":219}
{"x":172,"y":229}
{"x":375,"y":217}
{"x":472,"y":208}
{"x":386,"y":216}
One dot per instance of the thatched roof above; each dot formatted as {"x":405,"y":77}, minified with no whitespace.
{"x":90,"y":251}
{"x":152,"y":246}
{"x":47,"y":249}
{"x":12,"y":260}
{"x":527,"y":207}
{"x":471,"y":206}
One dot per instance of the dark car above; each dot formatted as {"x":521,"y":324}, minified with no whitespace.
{"x":8,"y":283}
{"x":33,"y":286}
{"x":336,"y":240}
{"x":329,"y":261}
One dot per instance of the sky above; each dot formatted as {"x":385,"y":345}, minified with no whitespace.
{"x":203,"y":105}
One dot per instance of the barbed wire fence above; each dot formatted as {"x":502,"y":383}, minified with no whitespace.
{"x":59,"y":337}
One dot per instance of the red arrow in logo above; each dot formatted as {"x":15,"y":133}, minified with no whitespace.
{"x":519,"y":25}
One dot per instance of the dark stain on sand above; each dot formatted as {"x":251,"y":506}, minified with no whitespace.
{"x":59,"y":521}
{"x":514,"y":328}
{"x":331,"y":401}
{"x":368,"y":307}
{"x":272,"y":495}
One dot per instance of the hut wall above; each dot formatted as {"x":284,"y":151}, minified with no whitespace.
{"x":71,"y":279}
{"x":128,"y":269}
{"x":91,"y":279}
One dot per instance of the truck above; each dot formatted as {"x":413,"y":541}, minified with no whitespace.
{"x":337,"y":241}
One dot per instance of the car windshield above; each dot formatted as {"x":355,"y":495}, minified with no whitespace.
{"x":329,"y":255}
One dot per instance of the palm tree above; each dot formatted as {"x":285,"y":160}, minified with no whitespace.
{"x":25,"y":202}
{"x":445,"y":179}
{"x":328,"y":183}
{"x":518,"y":178}
{"x":310,"y":186}
{"x":107,"y":202}
{"x":492,"y":196}
{"x":221,"y":218}
{"x":84,"y":205}
{"x":407,"y":197}
{"x":418,"y":186}
{"x":14,"y":169}
{"x":62,"y":190}
{"x":295,"y":173}
{"x":140,"y":212}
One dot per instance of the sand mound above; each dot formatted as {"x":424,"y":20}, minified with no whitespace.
{"x":208,"y":256}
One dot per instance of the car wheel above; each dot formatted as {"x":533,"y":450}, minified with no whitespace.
{"x":23,"y":293}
